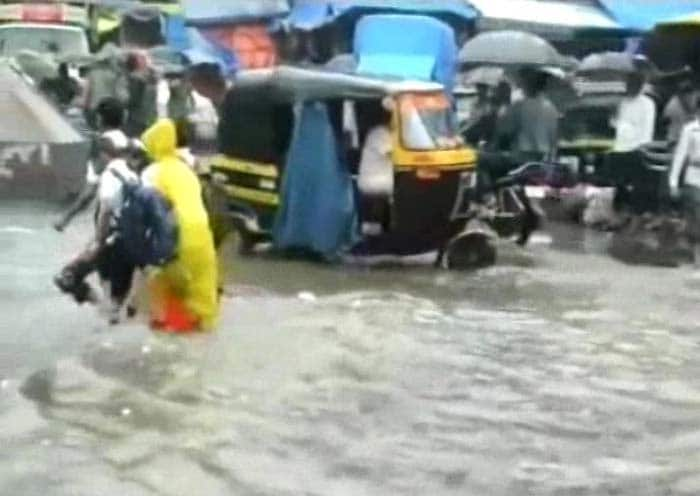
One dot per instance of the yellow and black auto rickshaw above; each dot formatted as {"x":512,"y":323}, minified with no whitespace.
{"x":290,"y":145}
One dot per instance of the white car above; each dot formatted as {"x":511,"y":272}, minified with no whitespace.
{"x":54,"y":39}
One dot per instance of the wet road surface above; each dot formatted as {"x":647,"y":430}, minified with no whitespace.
{"x":557,"y":372}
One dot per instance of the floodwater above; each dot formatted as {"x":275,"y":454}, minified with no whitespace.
{"x":557,"y":372}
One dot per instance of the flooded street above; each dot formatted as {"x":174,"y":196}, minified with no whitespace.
{"x":557,"y":372}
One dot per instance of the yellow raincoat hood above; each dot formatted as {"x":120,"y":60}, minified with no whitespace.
{"x":160,"y":140}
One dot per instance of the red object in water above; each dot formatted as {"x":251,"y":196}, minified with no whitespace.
{"x":177,"y":319}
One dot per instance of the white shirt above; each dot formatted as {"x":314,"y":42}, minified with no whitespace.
{"x":91,"y":176}
{"x":109,"y":193}
{"x":634,"y":123}
{"x":120,"y":140}
{"x":687,"y":157}
{"x":376,"y":174}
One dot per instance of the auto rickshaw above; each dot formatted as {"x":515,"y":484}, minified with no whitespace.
{"x":587,"y":142}
{"x":586,"y":134}
{"x":283,"y":131}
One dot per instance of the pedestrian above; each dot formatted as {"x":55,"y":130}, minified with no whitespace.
{"x":635,"y":118}
{"x":114,"y":267}
{"x":109,"y":119}
{"x":142,"y":102}
{"x":680,"y":111}
{"x":105,"y":80}
{"x":531,"y":125}
{"x":183,"y":294}
{"x":684,"y":177}
{"x":112,"y":149}
{"x":181,"y":101}
{"x":634,"y":123}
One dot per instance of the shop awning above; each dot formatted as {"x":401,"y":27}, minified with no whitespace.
{"x":213,"y":12}
{"x":643,"y":15}
{"x":548,"y":19}
{"x":312,"y":14}
{"x":690,"y":20}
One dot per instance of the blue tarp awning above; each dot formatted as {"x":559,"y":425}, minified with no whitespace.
{"x":413,"y":47}
{"x":210,"y":12}
{"x":643,"y":15}
{"x":203,"y":51}
{"x":312,"y":14}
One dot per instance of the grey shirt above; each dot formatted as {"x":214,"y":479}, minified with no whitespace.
{"x":531,"y":125}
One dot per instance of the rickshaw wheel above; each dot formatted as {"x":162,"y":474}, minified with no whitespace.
{"x":470,"y":250}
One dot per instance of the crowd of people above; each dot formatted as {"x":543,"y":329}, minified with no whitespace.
{"x":526,"y":127}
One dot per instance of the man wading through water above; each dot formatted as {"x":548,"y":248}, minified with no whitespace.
{"x":113,"y":147}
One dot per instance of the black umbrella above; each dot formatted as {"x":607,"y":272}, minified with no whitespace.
{"x":615,"y":63}
{"x":510,"y":48}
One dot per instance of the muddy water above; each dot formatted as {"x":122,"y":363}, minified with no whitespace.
{"x":557,"y":372}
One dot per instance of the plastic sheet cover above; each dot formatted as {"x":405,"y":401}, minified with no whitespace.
{"x":318,"y":212}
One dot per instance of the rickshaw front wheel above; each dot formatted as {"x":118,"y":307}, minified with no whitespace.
{"x":471,"y":250}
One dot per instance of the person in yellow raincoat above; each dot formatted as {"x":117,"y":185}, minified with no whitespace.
{"x":183,"y":295}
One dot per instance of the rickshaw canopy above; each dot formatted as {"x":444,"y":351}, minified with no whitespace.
{"x":406,"y":46}
{"x":295,"y":84}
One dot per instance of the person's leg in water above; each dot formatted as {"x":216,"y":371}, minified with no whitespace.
{"x":691,"y":212}
{"x":118,"y":275}
{"x":71,"y":279}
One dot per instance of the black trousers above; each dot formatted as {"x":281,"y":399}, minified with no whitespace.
{"x":113,"y":266}
{"x":110,"y":262}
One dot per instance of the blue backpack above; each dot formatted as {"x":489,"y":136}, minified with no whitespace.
{"x":146,"y":225}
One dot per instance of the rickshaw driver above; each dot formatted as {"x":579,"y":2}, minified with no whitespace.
{"x":376,"y":174}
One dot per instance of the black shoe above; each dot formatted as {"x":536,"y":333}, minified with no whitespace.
{"x":79,"y":290}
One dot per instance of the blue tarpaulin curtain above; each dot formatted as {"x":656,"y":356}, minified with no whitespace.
{"x":643,"y":15}
{"x":211,"y":12}
{"x":312,"y":14}
{"x":318,"y":212}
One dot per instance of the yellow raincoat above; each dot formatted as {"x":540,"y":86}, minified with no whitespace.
{"x":189,"y":282}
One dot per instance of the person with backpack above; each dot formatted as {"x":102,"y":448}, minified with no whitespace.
{"x":112,"y":150}
{"x":71,"y":280}
{"x":183,"y":293}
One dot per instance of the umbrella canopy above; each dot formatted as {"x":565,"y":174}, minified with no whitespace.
{"x":552,"y":19}
{"x":510,"y":48}
{"x":643,"y":15}
{"x":614,"y":63}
